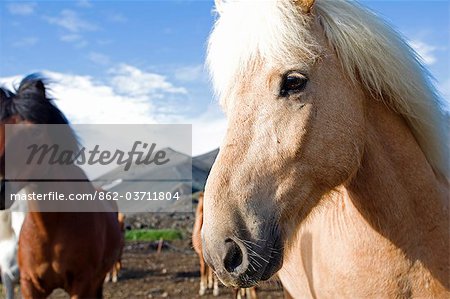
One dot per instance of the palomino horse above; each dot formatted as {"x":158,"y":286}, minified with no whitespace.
{"x":334,"y":168}
{"x":207,"y":277}
{"x":72,"y":251}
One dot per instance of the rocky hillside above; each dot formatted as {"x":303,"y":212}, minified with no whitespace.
{"x":179,"y":214}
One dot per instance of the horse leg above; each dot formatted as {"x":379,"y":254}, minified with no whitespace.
{"x":113,"y":275}
{"x":253,"y":294}
{"x":210,"y":278}
{"x":108,"y":276}
{"x":119,"y":264}
{"x":118,"y":269}
{"x":115,"y":272}
{"x":29,"y":291}
{"x":203,"y":278}
{"x":216,"y":284}
{"x":100,"y":292}
{"x":9,"y":285}
{"x":85,"y":290}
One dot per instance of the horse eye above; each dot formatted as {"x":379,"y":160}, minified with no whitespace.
{"x":293,"y":82}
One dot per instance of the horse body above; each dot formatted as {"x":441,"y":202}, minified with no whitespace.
{"x":334,"y":167}
{"x":66,"y":258}
{"x":72,"y":251}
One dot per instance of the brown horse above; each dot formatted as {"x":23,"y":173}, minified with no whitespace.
{"x":72,"y":251}
{"x":207,"y":277}
{"x":335,"y":165}
{"x":113,"y":275}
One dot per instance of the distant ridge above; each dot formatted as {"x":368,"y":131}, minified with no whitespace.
{"x":170,"y":171}
{"x":175,"y":176}
{"x":208,"y":158}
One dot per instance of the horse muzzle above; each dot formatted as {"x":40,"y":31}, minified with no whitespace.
{"x":242,"y":263}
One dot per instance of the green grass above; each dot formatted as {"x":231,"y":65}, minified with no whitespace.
{"x":153,"y":235}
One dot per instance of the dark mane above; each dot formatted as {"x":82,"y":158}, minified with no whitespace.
{"x":30,"y":102}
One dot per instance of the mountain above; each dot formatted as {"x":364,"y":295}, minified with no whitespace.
{"x":182,"y":174}
{"x":174,"y":170}
{"x":206,"y":159}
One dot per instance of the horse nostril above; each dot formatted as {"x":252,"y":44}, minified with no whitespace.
{"x":233,"y":256}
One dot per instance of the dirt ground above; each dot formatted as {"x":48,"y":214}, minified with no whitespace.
{"x":174,"y":273}
{"x":171,"y":274}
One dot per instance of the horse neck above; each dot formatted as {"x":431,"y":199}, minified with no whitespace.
{"x":397,"y":191}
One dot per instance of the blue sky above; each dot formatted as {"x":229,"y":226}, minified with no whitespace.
{"x":96,"y":48}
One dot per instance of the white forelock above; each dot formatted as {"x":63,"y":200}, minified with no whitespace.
{"x":248,"y":31}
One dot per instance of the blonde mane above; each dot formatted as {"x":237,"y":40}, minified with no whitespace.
{"x":372,"y":53}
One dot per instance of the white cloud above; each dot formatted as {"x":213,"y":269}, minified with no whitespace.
{"x":99,"y":58}
{"x":117,"y":18}
{"x":84,"y":3}
{"x":129,"y":80}
{"x":85,"y":100}
{"x":21,"y":9}
{"x":426,"y":51}
{"x":26,"y":42}
{"x":208,"y":130}
{"x":70,"y":38}
{"x":190,"y":73}
{"x":71,"y":21}
{"x":73,"y":38}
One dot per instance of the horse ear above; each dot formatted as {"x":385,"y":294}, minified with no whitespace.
{"x":305,"y":5}
{"x":32,"y":85}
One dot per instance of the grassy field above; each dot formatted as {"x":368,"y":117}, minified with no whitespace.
{"x":153,"y":235}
